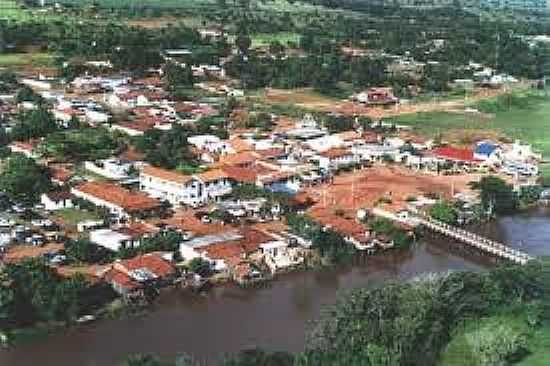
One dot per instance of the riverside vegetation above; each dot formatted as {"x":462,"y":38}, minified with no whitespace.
{"x":499,"y":317}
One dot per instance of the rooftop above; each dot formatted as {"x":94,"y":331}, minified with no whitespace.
{"x":128,"y":200}
{"x":167,"y":175}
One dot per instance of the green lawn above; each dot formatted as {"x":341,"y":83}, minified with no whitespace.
{"x":72,"y":216}
{"x":10,"y":9}
{"x":18,"y":60}
{"x":118,"y":4}
{"x":530,"y":124}
{"x":264,"y":39}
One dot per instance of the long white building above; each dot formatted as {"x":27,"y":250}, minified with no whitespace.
{"x":176,"y":188}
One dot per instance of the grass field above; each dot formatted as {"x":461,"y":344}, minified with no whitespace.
{"x":120,"y":4}
{"x":10,"y":9}
{"x":530,"y":124}
{"x":72,"y":216}
{"x":20,"y":60}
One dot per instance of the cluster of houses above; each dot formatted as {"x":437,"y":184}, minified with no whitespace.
{"x":241,"y":239}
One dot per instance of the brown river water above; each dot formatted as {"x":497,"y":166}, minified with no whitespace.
{"x":276,"y":316}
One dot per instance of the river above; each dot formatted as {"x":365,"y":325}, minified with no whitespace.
{"x":277,"y":316}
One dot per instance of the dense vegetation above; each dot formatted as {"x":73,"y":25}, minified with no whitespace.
{"x":23,"y":180}
{"x":330,"y":244}
{"x":32,"y":292}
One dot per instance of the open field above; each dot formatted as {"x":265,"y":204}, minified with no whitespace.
{"x":10,"y":9}
{"x":72,"y":216}
{"x":120,"y":4}
{"x":301,"y":97}
{"x":364,"y":188}
{"x":264,"y":39}
{"x":531,"y":124}
{"x":20,"y":252}
{"x":23,"y":60}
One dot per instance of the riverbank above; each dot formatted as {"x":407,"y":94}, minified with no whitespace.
{"x":229,"y":318}
{"x":276,"y":316}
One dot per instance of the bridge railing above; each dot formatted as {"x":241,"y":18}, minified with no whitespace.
{"x":474,"y":239}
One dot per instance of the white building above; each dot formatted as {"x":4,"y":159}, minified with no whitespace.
{"x":521,"y":153}
{"x":184,"y":189}
{"x":279,"y":257}
{"x":211,"y":144}
{"x":335,"y":158}
{"x":115,"y":169}
{"x":110,"y":239}
{"x":121,"y":203}
{"x":56,"y":200}
{"x":170,"y":186}
{"x":97,"y":117}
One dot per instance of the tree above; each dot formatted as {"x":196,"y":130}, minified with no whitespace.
{"x":7,"y":298}
{"x":444,"y":211}
{"x":243,"y":43}
{"x":143,"y":360}
{"x":200,"y":267}
{"x":23,"y":180}
{"x":85,"y":251}
{"x":497,"y":197}
{"x":258,"y":357}
{"x":33,"y":124}
{"x":40,"y":294}
{"x":26,"y":94}
{"x":177,"y":76}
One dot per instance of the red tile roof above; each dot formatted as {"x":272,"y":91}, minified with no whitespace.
{"x":236,"y":249}
{"x":151,"y":261}
{"x":212,"y":175}
{"x":241,"y":175}
{"x":272,"y":153}
{"x":121,"y":279}
{"x":138,"y":230}
{"x":128,"y":200}
{"x":335,"y":153}
{"x":455,"y":154}
{"x":241,"y":158}
{"x":60,"y":174}
{"x":166,"y":175}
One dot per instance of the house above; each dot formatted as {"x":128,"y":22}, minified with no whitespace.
{"x":377,"y":96}
{"x":336,"y":158}
{"x":95,"y":117}
{"x":130,"y":277}
{"x":374,"y":152}
{"x":185,"y":189}
{"x":278,"y":256}
{"x":214,"y":184}
{"x":520,"y":152}
{"x":241,"y":159}
{"x":121,"y":203}
{"x":25,"y":148}
{"x":455,"y":155}
{"x":488,"y":152}
{"x":171,"y":186}
{"x":114,"y":169}
{"x":60,"y":175}
{"x":280,"y":181}
{"x":111,"y":239}
{"x":54,"y":201}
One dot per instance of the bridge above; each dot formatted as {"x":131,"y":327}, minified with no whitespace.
{"x":486,"y":245}
{"x":474,"y":240}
